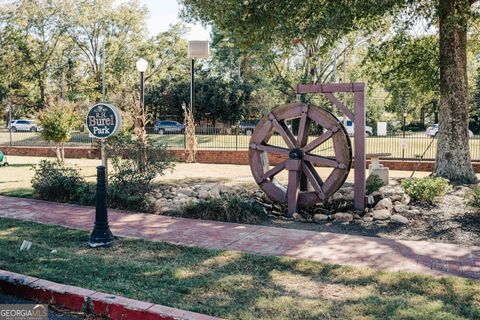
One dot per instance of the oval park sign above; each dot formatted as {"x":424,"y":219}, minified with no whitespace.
{"x":103,"y":120}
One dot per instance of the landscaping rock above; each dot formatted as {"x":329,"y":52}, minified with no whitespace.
{"x":343,"y":216}
{"x":349,"y":196}
{"x":381,"y":214}
{"x":367,"y":219}
{"x":185,"y":191}
{"x":298,"y":217}
{"x":399,"y":208}
{"x":320,"y":217}
{"x":204,"y":195}
{"x":413,"y":211}
{"x":214,"y":192}
{"x":395,"y":193}
{"x":399,"y":218}
{"x":384,"y":204}
{"x":405,"y":199}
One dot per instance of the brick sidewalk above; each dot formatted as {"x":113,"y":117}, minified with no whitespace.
{"x":387,"y":254}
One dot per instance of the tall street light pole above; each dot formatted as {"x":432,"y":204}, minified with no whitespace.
{"x":197,"y":49}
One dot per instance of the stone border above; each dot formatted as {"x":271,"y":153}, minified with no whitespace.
{"x":84,"y":300}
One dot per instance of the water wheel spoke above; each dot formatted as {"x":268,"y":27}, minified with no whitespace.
{"x":314,"y":178}
{"x":274,"y":171}
{"x":329,"y":162}
{"x":270,"y":149}
{"x":318,"y":141}
{"x":284,"y":132}
{"x":303,"y":128}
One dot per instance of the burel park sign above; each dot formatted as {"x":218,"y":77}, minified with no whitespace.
{"x":103,"y":120}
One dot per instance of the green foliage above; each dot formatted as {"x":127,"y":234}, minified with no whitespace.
{"x":136,"y":164}
{"x":53,"y":181}
{"x":473,"y":198}
{"x":373,"y":183}
{"x":57,"y":121}
{"x":227,"y":208}
{"x":408,"y":68}
{"x":425,"y":189}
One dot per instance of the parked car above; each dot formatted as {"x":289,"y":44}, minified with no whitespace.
{"x":247,"y":126}
{"x":166,"y":126}
{"x":350,"y":127}
{"x":24,"y":125}
{"x":433,"y":130}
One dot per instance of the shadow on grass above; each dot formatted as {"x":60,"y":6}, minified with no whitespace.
{"x":231,"y":284}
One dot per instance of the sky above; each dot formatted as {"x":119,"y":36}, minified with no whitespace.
{"x":164,"y":13}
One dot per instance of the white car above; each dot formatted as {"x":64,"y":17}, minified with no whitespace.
{"x":350,"y":127}
{"x":433,"y":130}
{"x":24,"y":125}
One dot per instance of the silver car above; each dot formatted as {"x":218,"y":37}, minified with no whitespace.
{"x":24,"y":125}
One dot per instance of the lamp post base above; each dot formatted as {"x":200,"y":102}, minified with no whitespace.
{"x":101,"y":238}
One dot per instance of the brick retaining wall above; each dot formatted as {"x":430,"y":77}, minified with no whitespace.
{"x":210,"y":156}
{"x":70,"y":152}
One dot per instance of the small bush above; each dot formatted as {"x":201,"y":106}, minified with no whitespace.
{"x":425,"y":189}
{"x":136,"y":164}
{"x":373,"y":183}
{"x":226,"y":208}
{"x":473,"y":198}
{"x":131,"y":195}
{"x":53,"y":181}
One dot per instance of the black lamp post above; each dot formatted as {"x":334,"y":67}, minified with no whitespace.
{"x":142,"y":65}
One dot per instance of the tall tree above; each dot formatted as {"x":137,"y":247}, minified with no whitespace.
{"x":280,"y":22}
{"x":42,"y":27}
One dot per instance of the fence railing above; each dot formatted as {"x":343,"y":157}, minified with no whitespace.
{"x":214,"y":138}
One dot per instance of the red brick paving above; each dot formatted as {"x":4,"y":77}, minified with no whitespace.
{"x":387,"y":254}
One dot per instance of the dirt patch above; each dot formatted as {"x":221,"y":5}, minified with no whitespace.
{"x":449,"y":221}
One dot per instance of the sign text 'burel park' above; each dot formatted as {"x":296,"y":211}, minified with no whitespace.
{"x":103,"y":120}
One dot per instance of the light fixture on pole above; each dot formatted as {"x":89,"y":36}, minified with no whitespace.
{"x":197,"y":49}
{"x":142,"y":65}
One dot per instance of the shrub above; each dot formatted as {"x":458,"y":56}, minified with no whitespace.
{"x":425,"y":189}
{"x":53,"y":181}
{"x":136,"y":163}
{"x":58,"y":120}
{"x":373,"y":183}
{"x":473,"y":198}
{"x":227,"y":208}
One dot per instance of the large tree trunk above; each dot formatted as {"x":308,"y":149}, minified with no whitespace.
{"x":453,"y":152}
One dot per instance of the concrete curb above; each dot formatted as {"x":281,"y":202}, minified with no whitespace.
{"x":84,"y":300}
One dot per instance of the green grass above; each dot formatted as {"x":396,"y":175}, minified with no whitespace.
{"x":231,"y":284}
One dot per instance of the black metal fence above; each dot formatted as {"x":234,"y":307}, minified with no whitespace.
{"x":412,"y":146}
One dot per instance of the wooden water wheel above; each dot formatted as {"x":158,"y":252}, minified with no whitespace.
{"x":297,"y":155}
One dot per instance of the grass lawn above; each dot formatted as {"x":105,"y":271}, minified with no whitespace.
{"x":15,"y":180}
{"x":230,"y":284}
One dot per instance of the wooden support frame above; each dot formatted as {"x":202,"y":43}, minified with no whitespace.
{"x":358,"y":118}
